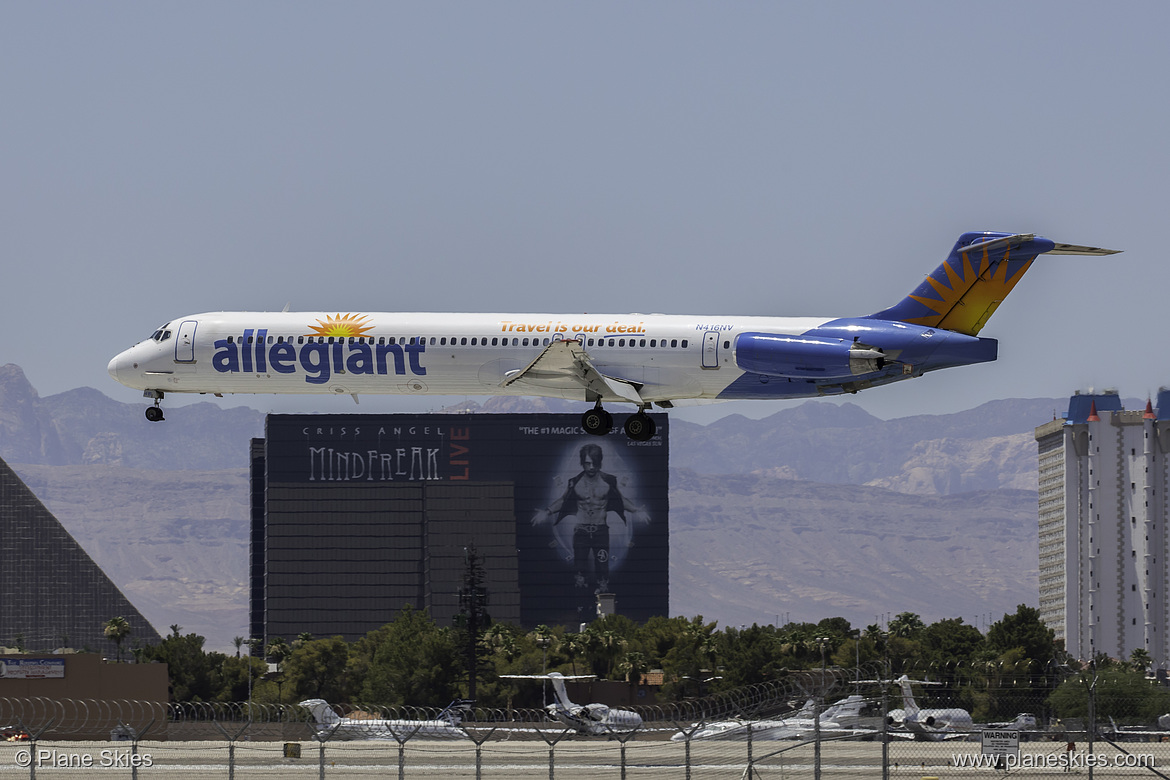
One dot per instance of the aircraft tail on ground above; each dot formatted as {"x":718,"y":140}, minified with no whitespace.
{"x":562,"y":696}
{"x":982,"y":268}
{"x":323,"y":714}
{"x":456,"y":711}
{"x":909,"y":706}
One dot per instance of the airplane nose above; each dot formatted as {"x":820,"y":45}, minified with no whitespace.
{"x":113,"y":368}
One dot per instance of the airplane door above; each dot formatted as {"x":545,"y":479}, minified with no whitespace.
{"x":711,"y":349}
{"x":185,"y":342}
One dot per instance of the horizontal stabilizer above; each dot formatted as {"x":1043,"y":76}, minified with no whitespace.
{"x":1073,"y":249}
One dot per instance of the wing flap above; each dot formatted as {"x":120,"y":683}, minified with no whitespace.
{"x":565,"y":363}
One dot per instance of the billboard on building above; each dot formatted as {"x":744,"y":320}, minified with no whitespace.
{"x":589,"y":513}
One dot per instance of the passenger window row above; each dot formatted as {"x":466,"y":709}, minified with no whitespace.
{"x":462,"y":341}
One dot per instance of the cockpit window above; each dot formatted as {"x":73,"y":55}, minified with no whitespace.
{"x":166,"y":335}
{"x":157,"y":335}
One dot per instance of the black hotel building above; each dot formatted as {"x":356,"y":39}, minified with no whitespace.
{"x":356,"y":516}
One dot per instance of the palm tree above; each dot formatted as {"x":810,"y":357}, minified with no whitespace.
{"x":576,"y":645}
{"x":634,"y":664}
{"x":1140,"y":660}
{"x":238,"y":642}
{"x":278,"y":650}
{"x":117,"y":629}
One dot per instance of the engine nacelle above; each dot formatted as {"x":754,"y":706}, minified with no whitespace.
{"x":596,"y":712}
{"x":805,"y":357}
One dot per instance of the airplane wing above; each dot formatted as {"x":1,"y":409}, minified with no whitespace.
{"x":565,"y":363}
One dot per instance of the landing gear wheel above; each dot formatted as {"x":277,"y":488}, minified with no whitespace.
{"x":640,"y":427}
{"x":597,"y":421}
{"x":154,"y":414}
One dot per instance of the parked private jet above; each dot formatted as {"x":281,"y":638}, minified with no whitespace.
{"x":331,"y":725}
{"x":926,"y":724}
{"x":595,"y":720}
{"x":640,"y":359}
{"x":837,"y":721}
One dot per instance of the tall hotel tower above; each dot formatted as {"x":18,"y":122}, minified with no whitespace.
{"x":1103,"y":542}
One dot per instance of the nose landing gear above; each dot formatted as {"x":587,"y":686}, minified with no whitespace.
{"x":154,"y":413}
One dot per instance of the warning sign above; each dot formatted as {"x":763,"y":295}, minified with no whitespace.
{"x":1001,"y":743}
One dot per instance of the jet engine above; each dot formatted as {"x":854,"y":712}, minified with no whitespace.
{"x":806,"y":357}
{"x":597,"y":712}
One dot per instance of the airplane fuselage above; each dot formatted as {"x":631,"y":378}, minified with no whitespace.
{"x":668,"y":357}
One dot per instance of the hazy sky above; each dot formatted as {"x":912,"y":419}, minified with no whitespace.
{"x":162,"y":159}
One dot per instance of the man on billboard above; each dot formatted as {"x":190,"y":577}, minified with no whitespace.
{"x":588,"y":498}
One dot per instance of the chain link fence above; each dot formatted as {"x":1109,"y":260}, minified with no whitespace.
{"x":836,"y":723}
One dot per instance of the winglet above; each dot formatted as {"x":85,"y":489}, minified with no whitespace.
{"x":982,"y":268}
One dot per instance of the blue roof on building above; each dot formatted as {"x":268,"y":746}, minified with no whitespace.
{"x":1080,"y":405}
{"x":1162,"y":405}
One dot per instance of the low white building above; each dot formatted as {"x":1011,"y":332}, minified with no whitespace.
{"x":1104,"y":559}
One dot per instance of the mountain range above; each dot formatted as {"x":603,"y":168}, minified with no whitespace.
{"x":818,"y":510}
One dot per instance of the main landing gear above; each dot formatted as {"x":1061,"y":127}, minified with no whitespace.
{"x":598,"y":422}
{"x":154,"y":413}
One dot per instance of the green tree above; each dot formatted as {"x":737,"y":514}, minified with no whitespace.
{"x":316,"y":669}
{"x":1122,"y":694}
{"x":688,"y":665}
{"x":950,"y":641}
{"x":229,"y":681}
{"x":1140,"y":660}
{"x":906,"y":625}
{"x":751,"y":655}
{"x":1023,"y":630}
{"x":116,"y":630}
{"x":277,"y":651}
{"x":413,"y":661}
{"x":193,"y":673}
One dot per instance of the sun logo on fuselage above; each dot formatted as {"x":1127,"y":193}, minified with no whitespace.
{"x":342,"y":325}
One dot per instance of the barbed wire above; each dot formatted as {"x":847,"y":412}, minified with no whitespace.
{"x":130,"y":719}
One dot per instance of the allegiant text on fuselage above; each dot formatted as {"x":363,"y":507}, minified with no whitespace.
{"x":318,"y":359}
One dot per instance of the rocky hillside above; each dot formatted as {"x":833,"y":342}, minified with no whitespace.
{"x":987,"y":448}
{"x":817,"y":510}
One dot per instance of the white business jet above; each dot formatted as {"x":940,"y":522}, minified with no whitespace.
{"x":595,"y":720}
{"x":835,"y":722}
{"x":926,"y":724}
{"x":329,"y":724}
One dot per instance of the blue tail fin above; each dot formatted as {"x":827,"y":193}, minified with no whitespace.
{"x":962,"y":293}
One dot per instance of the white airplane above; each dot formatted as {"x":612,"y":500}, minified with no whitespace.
{"x":927,"y":724}
{"x":1024,"y":721}
{"x":641,"y":359}
{"x":837,"y":721}
{"x":329,"y":723}
{"x":595,"y":720}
